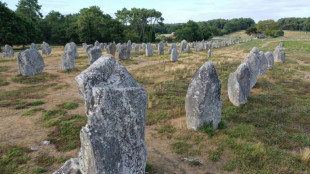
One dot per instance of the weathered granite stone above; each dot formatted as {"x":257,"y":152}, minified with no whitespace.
{"x":239,"y":85}
{"x":71,"y":47}
{"x":281,"y":44}
{"x":111,"y":49}
{"x":279,"y":54}
{"x":187,"y":49}
{"x":93,"y":54}
{"x":34,"y":46}
{"x":137,"y":48}
{"x":113,"y":140}
{"x":46,"y":49}
{"x":270,"y":59}
{"x":253,"y":61}
{"x":209,"y":53}
{"x":263,"y":64}
{"x":149,"y":50}
{"x":68,"y":58}
{"x":183,"y":46}
{"x":174,"y":55}
{"x":143,"y":46}
{"x":30,"y":62}
{"x":7,"y":51}
{"x":129,"y":45}
{"x":101,"y":45}
{"x":203,"y":101}
{"x":123,"y":52}
{"x":161,"y":48}
{"x":96,"y":43}
{"x":84,"y":46}
{"x":70,"y":167}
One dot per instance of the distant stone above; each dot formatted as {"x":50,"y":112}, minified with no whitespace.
{"x":34,"y":46}
{"x":94,"y":53}
{"x":30,"y":62}
{"x":209,"y":53}
{"x":71,"y":47}
{"x":149,"y":51}
{"x":68,"y":58}
{"x":129,"y":45}
{"x":111,"y":49}
{"x":101,"y":45}
{"x":113,"y":140}
{"x":270,"y":59}
{"x":143,"y":46}
{"x":161,"y":48}
{"x":263,"y":64}
{"x":7,"y":51}
{"x":203,"y":101}
{"x":124,"y":52}
{"x":239,"y":85}
{"x":33,"y":148}
{"x":84,"y":46}
{"x":136,"y":48}
{"x":183,"y":46}
{"x":174,"y":55}
{"x":253,"y":61}
{"x":70,"y":167}
{"x":187,"y":49}
{"x":96,"y":43}
{"x":46,"y":49}
{"x":281,"y":44}
{"x":46,"y":142}
{"x":279,"y":54}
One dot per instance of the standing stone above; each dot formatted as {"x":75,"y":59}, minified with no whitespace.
{"x":183,"y":46}
{"x":94,"y":53}
{"x":149,"y":50}
{"x":129,"y":45}
{"x":281,"y":44}
{"x":239,"y":85}
{"x":253,"y":61}
{"x":123,"y":52}
{"x":96,"y":43}
{"x":263,"y":64}
{"x":46,"y":49}
{"x":71,"y":47}
{"x":7,"y":51}
{"x":187,"y":49}
{"x":209,"y":53}
{"x":161,"y":48}
{"x":270,"y":60}
{"x":101,"y":45}
{"x":30,"y":62}
{"x":203,"y":101}
{"x":136,"y":48}
{"x":84,"y":46}
{"x":34,"y":46}
{"x":279,"y":54}
{"x":143,"y":46}
{"x":87,"y":48}
{"x":113,"y":140}
{"x":111,"y":49}
{"x":174,"y":55}
{"x":68,"y":58}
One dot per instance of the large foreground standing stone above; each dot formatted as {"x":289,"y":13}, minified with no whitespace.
{"x":270,"y":59}
{"x":94,"y":53}
{"x":46,"y":49}
{"x":30,"y":62}
{"x":203,"y":99}
{"x":239,"y":85}
{"x":279,"y":54}
{"x":7,"y":51}
{"x":113,"y":140}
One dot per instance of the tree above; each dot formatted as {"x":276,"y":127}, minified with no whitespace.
{"x":14,"y":30}
{"x":190,"y":32}
{"x":29,"y":9}
{"x":251,"y":30}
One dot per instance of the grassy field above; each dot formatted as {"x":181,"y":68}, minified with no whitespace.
{"x":269,"y":134}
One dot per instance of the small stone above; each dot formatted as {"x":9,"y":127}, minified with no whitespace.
{"x":174,"y":55}
{"x":46,"y":142}
{"x":46,"y":49}
{"x":33,"y":148}
{"x":7,"y":51}
{"x":70,"y":167}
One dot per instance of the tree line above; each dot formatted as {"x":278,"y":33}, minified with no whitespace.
{"x":26,"y":25}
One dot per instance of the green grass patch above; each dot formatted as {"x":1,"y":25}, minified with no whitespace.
{"x":69,"y":105}
{"x":45,"y":160}
{"x":3,"y":82}
{"x":53,"y":113}
{"x":13,"y":159}
{"x":39,"y":170}
{"x":4,"y":68}
{"x":207,"y":128}
{"x":38,"y":78}
{"x":32,"y":111}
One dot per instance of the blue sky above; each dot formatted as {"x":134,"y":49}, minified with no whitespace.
{"x":175,"y":11}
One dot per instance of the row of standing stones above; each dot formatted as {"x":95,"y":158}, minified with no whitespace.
{"x":244,"y":78}
{"x":113,"y":140}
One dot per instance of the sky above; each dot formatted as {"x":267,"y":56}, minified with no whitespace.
{"x":180,"y":11}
